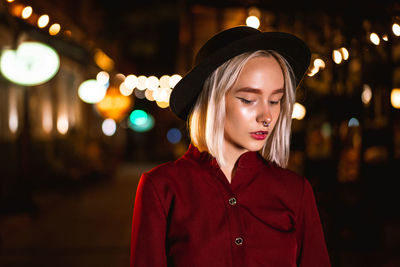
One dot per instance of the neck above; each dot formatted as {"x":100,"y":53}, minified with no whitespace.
{"x":232,"y":153}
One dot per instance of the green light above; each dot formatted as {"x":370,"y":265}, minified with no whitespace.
{"x":31,"y":64}
{"x":141,"y":121}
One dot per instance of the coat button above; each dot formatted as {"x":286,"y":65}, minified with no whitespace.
{"x":239,"y":241}
{"x":232,"y":201}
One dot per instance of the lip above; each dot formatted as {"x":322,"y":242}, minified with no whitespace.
{"x":259,"y":135}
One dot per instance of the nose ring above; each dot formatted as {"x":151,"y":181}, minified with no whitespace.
{"x":266,"y":124}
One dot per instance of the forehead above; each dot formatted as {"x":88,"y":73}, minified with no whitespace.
{"x":263,"y":73}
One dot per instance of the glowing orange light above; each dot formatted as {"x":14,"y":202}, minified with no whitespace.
{"x":16,"y":10}
{"x":395,"y":98}
{"x":68,"y":33}
{"x":114,"y":105}
{"x":162,"y":104}
{"x":103,"y":61}
{"x":54,"y":29}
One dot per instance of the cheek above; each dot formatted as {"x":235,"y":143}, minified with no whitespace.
{"x":275,"y":114}
{"x":239,"y":116}
{"x":234,"y":111}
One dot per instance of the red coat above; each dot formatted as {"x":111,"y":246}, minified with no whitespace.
{"x":187,"y":214}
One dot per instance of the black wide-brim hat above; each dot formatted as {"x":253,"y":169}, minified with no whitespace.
{"x":228,"y":44}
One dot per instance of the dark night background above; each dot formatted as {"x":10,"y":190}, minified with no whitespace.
{"x":66,"y":194}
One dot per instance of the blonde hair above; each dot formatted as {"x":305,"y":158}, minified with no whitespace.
{"x":206,"y":120}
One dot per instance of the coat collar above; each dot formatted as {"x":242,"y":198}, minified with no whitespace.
{"x":247,"y":160}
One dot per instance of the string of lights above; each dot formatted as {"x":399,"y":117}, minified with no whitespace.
{"x":101,"y":89}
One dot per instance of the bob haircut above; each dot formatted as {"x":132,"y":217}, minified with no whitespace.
{"x":206,"y":120}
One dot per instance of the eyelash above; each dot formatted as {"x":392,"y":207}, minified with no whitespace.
{"x":245,"y":101}
{"x":275,"y":102}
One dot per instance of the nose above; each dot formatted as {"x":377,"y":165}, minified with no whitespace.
{"x":264,"y":115}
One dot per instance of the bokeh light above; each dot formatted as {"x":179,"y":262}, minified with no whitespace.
{"x":314,"y":70}
{"x":67,"y":33}
{"x":374,"y":38}
{"x":91,"y":91}
{"x":366,"y":94}
{"x":109,"y":127}
{"x":396,"y":29}
{"x":125,"y":90}
{"x":353,"y":122}
{"x":33,"y":63}
{"x":149,"y":95}
{"x":62,"y":124}
{"x":174,"y":136}
{"x":162,"y":104}
{"x":319,"y":63}
{"x":337,"y":56}
{"x":26,"y":12}
{"x":140,"y":94}
{"x":162,"y":94}
{"x":103,"y":61}
{"x":152,"y":83}
{"x":16,"y":10}
{"x":103,"y":78}
{"x":114,"y":105}
{"x":299,"y":111}
{"x":395,"y":98}
{"x":43,"y":21}
{"x":13,"y":120}
{"x":120,"y":77}
{"x":344,"y":52}
{"x":141,"y":85}
{"x":174,"y":79}
{"x":47,"y":117}
{"x":54,"y":29}
{"x":164,"y":81}
{"x":140,"y":121}
{"x":131,"y":81}
{"x":253,"y":21}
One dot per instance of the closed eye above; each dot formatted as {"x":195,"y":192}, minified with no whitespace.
{"x":245,"y":101}
{"x":275,"y":102}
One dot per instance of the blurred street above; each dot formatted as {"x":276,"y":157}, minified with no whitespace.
{"x":90,"y":225}
{"x":86,"y":227}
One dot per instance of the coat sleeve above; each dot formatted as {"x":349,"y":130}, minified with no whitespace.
{"x":311,"y":246}
{"x":148,"y":227}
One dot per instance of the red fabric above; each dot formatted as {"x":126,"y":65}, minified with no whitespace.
{"x":183,"y":218}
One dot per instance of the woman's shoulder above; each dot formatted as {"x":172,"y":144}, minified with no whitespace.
{"x":285,"y":173}
{"x":170,"y":170}
{"x":289,"y":178}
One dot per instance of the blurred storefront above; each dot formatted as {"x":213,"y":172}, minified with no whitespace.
{"x":48,"y":136}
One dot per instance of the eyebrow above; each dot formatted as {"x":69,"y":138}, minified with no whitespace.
{"x":258,"y":91}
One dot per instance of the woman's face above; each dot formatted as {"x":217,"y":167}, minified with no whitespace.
{"x":255,"y":98}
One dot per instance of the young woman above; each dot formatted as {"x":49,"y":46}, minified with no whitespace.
{"x":229,"y":201}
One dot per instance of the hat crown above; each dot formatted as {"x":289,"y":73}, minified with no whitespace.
{"x":221,"y":39}
{"x":228,"y":44}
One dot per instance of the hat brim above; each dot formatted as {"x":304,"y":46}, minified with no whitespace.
{"x":293,"y":49}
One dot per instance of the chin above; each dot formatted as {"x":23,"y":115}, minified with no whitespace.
{"x":255,"y":147}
